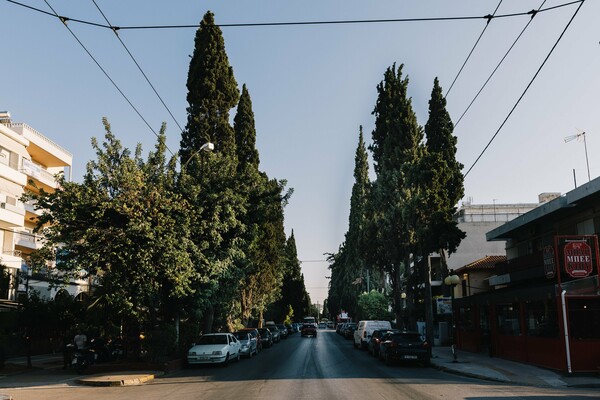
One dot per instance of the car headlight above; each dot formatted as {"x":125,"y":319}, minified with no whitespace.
{"x":217,"y":353}
{"x":192,"y":353}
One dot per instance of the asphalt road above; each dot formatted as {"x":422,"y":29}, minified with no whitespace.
{"x":326,"y":367}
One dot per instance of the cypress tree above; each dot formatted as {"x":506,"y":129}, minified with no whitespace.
{"x":245,"y":133}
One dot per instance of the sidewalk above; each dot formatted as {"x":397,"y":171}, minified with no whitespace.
{"x":48,"y":370}
{"x":481,"y":366}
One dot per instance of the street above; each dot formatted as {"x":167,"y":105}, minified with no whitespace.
{"x":326,"y":367}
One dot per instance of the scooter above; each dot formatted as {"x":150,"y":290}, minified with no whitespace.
{"x":82,"y":358}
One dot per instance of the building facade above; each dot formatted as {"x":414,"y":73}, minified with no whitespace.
{"x":29,"y":161}
{"x":543,"y":302}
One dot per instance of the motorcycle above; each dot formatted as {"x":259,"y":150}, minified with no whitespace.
{"x":82,"y":358}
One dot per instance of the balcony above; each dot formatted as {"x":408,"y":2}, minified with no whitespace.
{"x":11,"y":259}
{"x":12,"y":175}
{"x":28,"y":240}
{"x":38,"y":173}
{"x":42,"y":149}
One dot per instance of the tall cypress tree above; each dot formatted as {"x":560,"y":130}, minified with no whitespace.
{"x":245,"y":133}
{"x":447,"y":183}
{"x":208,"y":181}
{"x":396,"y":149}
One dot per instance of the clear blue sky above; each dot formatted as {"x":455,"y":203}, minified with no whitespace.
{"x":313,"y":86}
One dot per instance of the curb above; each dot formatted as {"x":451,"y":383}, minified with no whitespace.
{"x":469,"y":374}
{"x":118,"y":380}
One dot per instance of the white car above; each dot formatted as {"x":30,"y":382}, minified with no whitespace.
{"x":214,"y":348}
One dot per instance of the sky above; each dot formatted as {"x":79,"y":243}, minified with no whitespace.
{"x":313,"y":86}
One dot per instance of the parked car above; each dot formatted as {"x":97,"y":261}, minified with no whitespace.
{"x":283,"y":330}
{"x":365,"y":329}
{"x":214,"y":348}
{"x":248,"y":343}
{"x":349,"y":330}
{"x":404,"y":346}
{"x":322,"y":325}
{"x":339,"y":328}
{"x":309,"y":329}
{"x":275,"y":332}
{"x":266,"y":337}
{"x":255,"y":333}
{"x":330,"y":325}
{"x":375,"y":340}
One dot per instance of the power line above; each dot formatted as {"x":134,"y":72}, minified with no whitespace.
{"x":139,"y":67}
{"x":527,"y":88}
{"x":489,"y":18}
{"x":64,"y":21}
{"x":498,"y":66}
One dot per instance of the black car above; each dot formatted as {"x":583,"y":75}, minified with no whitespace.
{"x":375,"y":340}
{"x":349,"y":329}
{"x":404,"y":346}
{"x":266,"y":337}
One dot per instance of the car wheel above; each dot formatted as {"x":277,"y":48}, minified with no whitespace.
{"x":226,"y":362}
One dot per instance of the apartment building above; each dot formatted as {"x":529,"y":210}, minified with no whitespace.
{"x":25,"y":156}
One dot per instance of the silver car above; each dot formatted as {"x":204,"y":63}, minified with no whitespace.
{"x":248,"y":343}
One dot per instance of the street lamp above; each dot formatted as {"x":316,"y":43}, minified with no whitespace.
{"x":208,"y":146}
{"x":452,"y":281}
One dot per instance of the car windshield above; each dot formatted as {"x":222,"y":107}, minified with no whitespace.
{"x":308,"y":326}
{"x":263,"y":331}
{"x":213,"y":339}
{"x":241,"y":335}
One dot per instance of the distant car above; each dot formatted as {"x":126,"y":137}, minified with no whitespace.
{"x":248,"y":343}
{"x":214,"y":348}
{"x":309,"y":329}
{"x":275,"y":332}
{"x":349,"y":330}
{"x":322,"y":325}
{"x":283,"y":331}
{"x":266,"y":337}
{"x":375,"y":340}
{"x":330,"y":325}
{"x":404,"y":346}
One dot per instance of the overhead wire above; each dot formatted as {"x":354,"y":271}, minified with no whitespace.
{"x":490,"y":17}
{"x":526,"y":89}
{"x":138,"y":66}
{"x":327,"y":22}
{"x":64,"y":21}
{"x":499,"y":63}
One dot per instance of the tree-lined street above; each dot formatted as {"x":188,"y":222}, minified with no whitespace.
{"x":327,"y":367}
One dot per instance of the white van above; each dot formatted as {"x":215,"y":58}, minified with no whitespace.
{"x":365,"y":329}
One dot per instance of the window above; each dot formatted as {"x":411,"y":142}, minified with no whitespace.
{"x":584,"y":318}
{"x":541,"y":317}
{"x":508,"y":319}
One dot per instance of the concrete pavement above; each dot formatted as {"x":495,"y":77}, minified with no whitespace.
{"x":481,"y":366}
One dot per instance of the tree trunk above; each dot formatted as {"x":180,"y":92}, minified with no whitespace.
{"x":428,"y":299}
{"x":207,"y":319}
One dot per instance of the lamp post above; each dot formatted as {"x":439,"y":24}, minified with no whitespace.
{"x":452,"y":281}
{"x":208,"y":146}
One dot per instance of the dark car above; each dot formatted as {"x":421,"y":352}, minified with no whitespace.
{"x":375,"y":340}
{"x":266,"y":337}
{"x":349,"y":330}
{"x":275,"y":332}
{"x":283,"y":331}
{"x":404,"y":346}
{"x":308,"y":330}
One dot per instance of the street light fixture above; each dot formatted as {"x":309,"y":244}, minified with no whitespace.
{"x":208,"y":146}
{"x":452,"y":281}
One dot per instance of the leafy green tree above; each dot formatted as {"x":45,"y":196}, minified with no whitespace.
{"x":209,"y":181}
{"x":125,"y":227}
{"x":349,"y":273}
{"x":396,"y":149}
{"x":374,"y":306}
{"x":437,"y":182}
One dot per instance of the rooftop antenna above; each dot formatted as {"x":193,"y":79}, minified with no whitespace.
{"x":579,"y":136}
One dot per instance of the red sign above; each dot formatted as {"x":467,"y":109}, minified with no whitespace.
{"x":549,"y":265}
{"x":578,"y":259}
